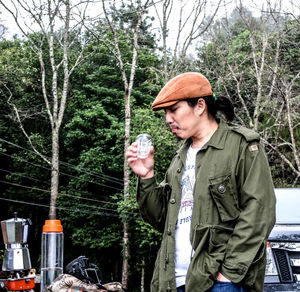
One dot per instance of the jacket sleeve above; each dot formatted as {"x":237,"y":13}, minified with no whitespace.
{"x":257,"y":217}
{"x":153,"y":200}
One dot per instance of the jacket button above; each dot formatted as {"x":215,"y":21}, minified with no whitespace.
{"x":221,"y":189}
{"x":172,"y":201}
{"x":178,"y":170}
{"x":169,"y":232}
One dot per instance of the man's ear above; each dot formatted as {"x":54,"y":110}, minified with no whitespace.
{"x":201,"y":105}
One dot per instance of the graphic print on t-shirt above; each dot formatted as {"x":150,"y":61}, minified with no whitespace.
{"x":187,"y":184}
{"x":186,"y":206}
{"x":183,"y":247}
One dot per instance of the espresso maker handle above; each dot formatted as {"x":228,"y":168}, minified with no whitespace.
{"x":28,"y":222}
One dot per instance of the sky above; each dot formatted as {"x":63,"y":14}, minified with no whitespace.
{"x":290,"y":6}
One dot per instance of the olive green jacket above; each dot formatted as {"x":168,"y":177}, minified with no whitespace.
{"x":233,"y":213}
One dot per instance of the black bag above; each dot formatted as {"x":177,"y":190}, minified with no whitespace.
{"x":82,"y":269}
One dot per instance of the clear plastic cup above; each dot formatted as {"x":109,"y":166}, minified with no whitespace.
{"x":144,"y":143}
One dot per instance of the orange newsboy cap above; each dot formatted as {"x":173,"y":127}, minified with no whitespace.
{"x":184,"y":86}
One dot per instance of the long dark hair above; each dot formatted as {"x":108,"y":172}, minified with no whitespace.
{"x":216,"y":104}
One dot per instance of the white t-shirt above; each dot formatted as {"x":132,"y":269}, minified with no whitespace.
{"x":183,"y":247}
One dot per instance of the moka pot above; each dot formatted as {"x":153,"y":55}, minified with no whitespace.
{"x":15,"y":234}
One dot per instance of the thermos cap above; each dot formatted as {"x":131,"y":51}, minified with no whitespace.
{"x":52,"y":226}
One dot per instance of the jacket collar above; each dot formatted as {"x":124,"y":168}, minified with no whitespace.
{"x":216,"y":141}
{"x":218,"y":138}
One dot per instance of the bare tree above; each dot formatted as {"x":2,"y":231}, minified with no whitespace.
{"x":128,"y":81}
{"x":55,"y":26}
{"x":279,"y":87}
{"x":191,"y":19}
{"x":263,"y":77}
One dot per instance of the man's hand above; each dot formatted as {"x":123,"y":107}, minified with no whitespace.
{"x":222,"y":278}
{"x":142,"y":167}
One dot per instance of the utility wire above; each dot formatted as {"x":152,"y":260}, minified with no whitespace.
{"x":66,"y":164}
{"x":63,"y":195}
{"x":62,"y":173}
{"x":103,"y":176}
{"x":21,"y":175}
{"x":47,"y":191}
{"x":83,"y":206}
{"x":72,"y":209}
{"x":34,"y":179}
{"x":107,"y":177}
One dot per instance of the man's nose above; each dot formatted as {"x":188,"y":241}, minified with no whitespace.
{"x":168,"y":117}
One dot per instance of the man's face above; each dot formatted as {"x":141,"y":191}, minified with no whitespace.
{"x":182,"y":119}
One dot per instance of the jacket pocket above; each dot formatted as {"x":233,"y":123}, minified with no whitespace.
{"x":219,"y":237}
{"x":224,"y":197}
{"x":217,"y":245}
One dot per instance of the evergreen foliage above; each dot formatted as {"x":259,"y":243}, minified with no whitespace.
{"x":90,"y":202}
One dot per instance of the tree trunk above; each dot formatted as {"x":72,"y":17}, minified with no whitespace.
{"x":143,"y":276}
{"x":54,"y":173}
{"x":55,"y":13}
{"x":126,"y":250}
{"x":126,"y":254}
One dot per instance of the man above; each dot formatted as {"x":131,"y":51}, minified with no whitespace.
{"x":216,"y":205}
